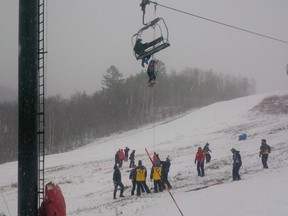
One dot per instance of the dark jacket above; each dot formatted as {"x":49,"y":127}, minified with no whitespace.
{"x":237,"y":159}
{"x":140,"y":47}
{"x":165,"y":166}
{"x":117,"y":176}
{"x":132,"y":175}
{"x":206,"y":149}
{"x":264,"y":149}
{"x":132,"y":155}
{"x":126,"y":150}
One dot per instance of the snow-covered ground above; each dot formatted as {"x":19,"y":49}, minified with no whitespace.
{"x":85,"y":175}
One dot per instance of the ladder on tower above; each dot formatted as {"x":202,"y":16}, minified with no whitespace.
{"x":41,"y":101}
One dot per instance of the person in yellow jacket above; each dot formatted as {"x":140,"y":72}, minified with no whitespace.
{"x":141,"y":174}
{"x":156,"y":176}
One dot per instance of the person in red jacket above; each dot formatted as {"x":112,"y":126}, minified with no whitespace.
{"x":121,"y":157}
{"x":199,"y":158}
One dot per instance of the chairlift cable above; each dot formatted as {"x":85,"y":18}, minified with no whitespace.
{"x":221,"y":23}
{"x":154,"y":27}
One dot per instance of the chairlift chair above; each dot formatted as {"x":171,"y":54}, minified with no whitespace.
{"x":155,"y":45}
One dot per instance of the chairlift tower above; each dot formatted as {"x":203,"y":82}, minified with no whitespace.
{"x":31,"y":106}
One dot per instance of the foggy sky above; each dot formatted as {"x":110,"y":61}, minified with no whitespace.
{"x":84,"y":38}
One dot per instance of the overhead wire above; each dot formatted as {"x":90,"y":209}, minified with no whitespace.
{"x":154,"y":124}
{"x":221,"y":23}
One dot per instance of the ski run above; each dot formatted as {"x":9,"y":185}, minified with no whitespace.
{"x":85,"y":174}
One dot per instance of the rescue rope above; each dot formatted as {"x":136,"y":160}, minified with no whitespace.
{"x":167,"y":188}
{"x":5,"y":204}
{"x":154,"y":124}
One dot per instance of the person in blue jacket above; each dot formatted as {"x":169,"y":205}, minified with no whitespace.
{"x":264,"y":153}
{"x":237,"y":163}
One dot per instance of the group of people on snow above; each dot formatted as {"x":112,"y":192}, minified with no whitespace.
{"x":122,"y":155}
{"x":200,"y":157}
{"x":138,"y":175}
{"x":160,"y":169}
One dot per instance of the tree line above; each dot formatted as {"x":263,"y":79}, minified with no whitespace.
{"x":121,"y":105}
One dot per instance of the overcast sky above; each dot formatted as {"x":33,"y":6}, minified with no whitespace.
{"x":85,"y":37}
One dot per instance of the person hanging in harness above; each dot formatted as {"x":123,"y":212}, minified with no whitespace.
{"x":151,"y":71}
{"x":206,"y":151}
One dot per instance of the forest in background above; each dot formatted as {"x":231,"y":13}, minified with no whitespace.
{"x":121,"y":105}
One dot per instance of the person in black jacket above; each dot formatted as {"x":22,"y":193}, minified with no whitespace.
{"x":126,"y":153}
{"x":117,"y":182}
{"x":165,"y":170}
{"x":132,"y":159}
{"x":237,"y":163}
{"x":117,"y":160}
{"x":140,"y":48}
{"x":206,"y":151}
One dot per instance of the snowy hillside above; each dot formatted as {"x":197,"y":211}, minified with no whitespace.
{"x":85,"y":175}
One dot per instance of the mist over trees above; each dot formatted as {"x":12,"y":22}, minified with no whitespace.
{"x":120,"y":105}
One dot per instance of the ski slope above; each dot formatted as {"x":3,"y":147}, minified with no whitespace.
{"x":85,"y":174}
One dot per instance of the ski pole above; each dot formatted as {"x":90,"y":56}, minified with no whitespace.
{"x":165,"y":185}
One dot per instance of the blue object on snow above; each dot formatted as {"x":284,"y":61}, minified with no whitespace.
{"x":242,"y":137}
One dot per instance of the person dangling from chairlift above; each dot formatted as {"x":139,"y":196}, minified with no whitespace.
{"x":151,"y":72}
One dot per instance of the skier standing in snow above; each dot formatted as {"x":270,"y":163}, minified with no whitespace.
{"x":117,"y":160}
{"x":165,"y":170}
{"x":199,"y":158}
{"x":141,"y":174}
{"x":156,"y":175}
{"x":117,"y":182}
{"x":126,"y":150}
{"x":237,"y":163}
{"x":132,"y":159}
{"x":121,"y":157}
{"x":155,"y":158}
{"x":132,"y":177}
{"x":206,"y":151}
{"x":264,"y":152}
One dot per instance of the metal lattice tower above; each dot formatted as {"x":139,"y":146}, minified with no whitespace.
{"x":41,"y":100}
